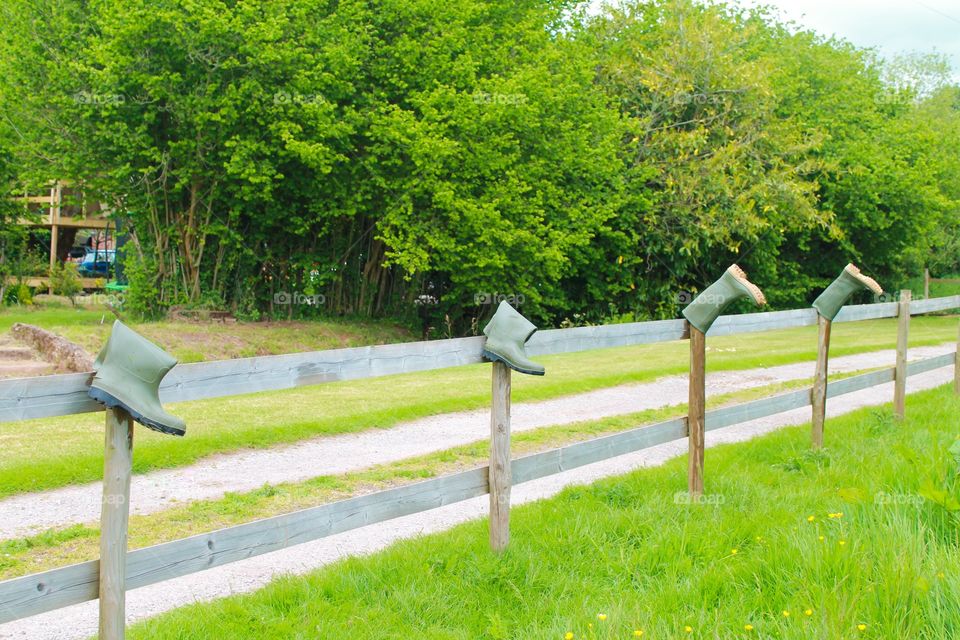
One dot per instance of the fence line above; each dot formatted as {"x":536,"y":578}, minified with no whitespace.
{"x":59,"y":395}
{"x":119,"y":570}
{"x":57,"y":588}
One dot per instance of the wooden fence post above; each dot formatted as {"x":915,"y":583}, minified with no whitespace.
{"x":500,"y":479}
{"x":696,"y":410}
{"x":114,"y":515}
{"x":819,"y":394}
{"x":926,"y":284}
{"x":900,"y":376}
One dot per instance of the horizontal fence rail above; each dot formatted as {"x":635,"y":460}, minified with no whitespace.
{"x":58,"y":588}
{"x":59,"y":395}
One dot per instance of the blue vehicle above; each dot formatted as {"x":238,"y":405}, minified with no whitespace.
{"x":97,"y":263}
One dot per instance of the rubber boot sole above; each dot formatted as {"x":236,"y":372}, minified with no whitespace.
{"x":489,"y":355}
{"x":112,"y":402}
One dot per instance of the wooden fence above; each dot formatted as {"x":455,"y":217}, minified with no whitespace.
{"x":927,"y":280}
{"x":67,"y":394}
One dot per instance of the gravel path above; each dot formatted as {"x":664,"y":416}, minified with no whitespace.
{"x":247,"y":470}
{"x":80,"y":621}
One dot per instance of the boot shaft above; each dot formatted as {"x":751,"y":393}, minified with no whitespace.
{"x":129,"y":370}
{"x":731,"y":286}
{"x":507,"y":333}
{"x":850,"y":280}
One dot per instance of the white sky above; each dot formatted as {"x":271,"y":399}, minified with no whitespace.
{"x":890,"y":26}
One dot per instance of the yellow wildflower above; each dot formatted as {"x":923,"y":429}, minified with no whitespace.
{"x":808,"y":612}
{"x":786,"y":614}
{"x":861,"y":627}
{"x":638,"y":633}
{"x":568,"y":635}
{"x":748,"y":627}
{"x":601,"y":617}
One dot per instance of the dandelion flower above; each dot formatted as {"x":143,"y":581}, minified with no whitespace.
{"x":688,"y":629}
{"x":786,"y":614}
{"x":808,"y":612}
{"x":861,"y":627}
{"x":601,"y":617}
{"x":843,"y":542}
{"x":568,"y":635}
{"x":821,"y":538}
{"x":733,"y":552}
{"x":811,"y":518}
{"x":638,"y":633}
{"x":748,"y":627}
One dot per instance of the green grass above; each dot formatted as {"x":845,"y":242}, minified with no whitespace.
{"x":762,"y":546}
{"x":195,"y":341}
{"x":937,"y":289}
{"x":60,"y":547}
{"x":54,"y":452}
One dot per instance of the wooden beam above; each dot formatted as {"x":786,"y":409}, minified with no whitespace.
{"x":40,"y":282}
{"x":946,"y":303}
{"x":819,"y":393}
{"x":115,"y":514}
{"x":68,"y":222}
{"x":47,"y":396}
{"x":500,"y":458}
{"x":696,"y":411}
{"x":900,"y":378}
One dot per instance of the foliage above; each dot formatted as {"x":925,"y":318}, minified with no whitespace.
{"x":369,"y":154}
{"x":65,"y":281}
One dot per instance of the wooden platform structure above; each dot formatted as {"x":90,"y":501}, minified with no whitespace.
{"x":65,"y":211}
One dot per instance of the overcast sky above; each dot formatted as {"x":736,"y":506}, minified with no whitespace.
{"x":891,"y":26}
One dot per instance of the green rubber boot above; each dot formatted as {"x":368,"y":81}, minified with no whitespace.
{"x":850,"y":280}
{"x":711,"y":302}
{"x":128,"y":374}
{"x":507,"y":333}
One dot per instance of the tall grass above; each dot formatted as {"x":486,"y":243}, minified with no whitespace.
{"x":789,"y":545}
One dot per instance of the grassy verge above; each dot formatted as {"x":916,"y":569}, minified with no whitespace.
{"x":790,"y":545}
{"x":78,"y":543}
{"x":196,"y":342}
{"x":69,"y":449}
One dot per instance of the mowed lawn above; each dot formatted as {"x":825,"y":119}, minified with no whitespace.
{"x":53,"y":452}
{"x":788,"y":545}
